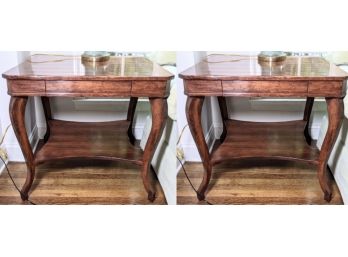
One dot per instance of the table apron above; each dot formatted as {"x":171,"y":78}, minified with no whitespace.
{"x":75,"y":88}
{"x":302,"y":88}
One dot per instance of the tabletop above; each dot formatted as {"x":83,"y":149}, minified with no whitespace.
{"x":64,"y":67}
{"x":242,"y":67}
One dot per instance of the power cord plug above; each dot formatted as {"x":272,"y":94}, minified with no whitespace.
{"x":3,"y":154}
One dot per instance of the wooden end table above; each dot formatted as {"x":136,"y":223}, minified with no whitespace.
{"x":54,"y":76}
{"x":227,"y":76}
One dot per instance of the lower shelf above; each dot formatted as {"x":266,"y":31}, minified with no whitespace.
{"x":272,"y":140}
{"x":95,"y":140}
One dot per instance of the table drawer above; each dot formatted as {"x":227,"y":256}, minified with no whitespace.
{"x":265,"y":88}
{"x":327,"y":88}
{"x":25,"y":87}
{"x":203,"y":87}
{"x":88,"y":88}
{"x":150,"y":88}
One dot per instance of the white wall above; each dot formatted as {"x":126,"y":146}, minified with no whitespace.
{"x":7,"y":61}
{"x":184,"y":61}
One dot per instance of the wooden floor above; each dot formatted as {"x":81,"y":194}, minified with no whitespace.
{"x":256,"y":182}
{"x":77,"y":182}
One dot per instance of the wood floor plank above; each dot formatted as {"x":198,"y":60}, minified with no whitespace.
{"x":80,"y":182}
{"x":104,"y":140}
{"x":256,"y":182}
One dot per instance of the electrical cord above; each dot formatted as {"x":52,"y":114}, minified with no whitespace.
{"x":66,"y":58}
{"x":3,"y":137}
{"x":182,"y":165}
{"x":181,"y":134}
{"x":190,"y":182}
{"x":8,"y":170}
{"x":13,"y":182}
{"x":245,"y":57}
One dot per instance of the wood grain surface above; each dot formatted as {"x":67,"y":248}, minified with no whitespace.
{"x":199,"y":87}
{"x":264,"y":88}
{"x":88,"y":88}
{"x":118,"y":77}
{"x":256,"y":182}
{"x":225,"y":67}
{"x":26,"y":88}
{"x":274,"y":140}
{"x":80,"y":182}
{"x":98,"y":140}
{"x":46,"y":67}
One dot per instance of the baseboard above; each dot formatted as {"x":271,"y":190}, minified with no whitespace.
{"x":314,"y":130}
{"x":338,"y":163}
{"x":108,"y":104}
{"x":137,"y":130}
{"x":14,"y":151}
{"x":191,"y":151}
{"x":285,"y":104}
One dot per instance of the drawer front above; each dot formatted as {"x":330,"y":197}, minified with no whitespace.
{"x":88,"y":88}
{"x":150,"y":88}
{"x":25,"y":87}
{"x":202,"y":87}
{"x":265,"y":88}
{"x":327,"y":88}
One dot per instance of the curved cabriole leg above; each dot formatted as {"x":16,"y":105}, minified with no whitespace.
{"x":306,"y":117}
{"x":335,"y":113}
{"x":159,"y":116}
{"x":193,"y":114}
{"x":224,"y":116}
{"x":48,"y":115}
{"x":130,"y":117}
{"x":17,"y":115}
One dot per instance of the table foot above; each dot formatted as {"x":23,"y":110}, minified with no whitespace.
{"x":325,"y":181}
{"x":200,"y":196}
{"x":28,"y":183}
{"x":151,"y":196}
{"x":24,"y":196}
{"x":327,"y":196}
